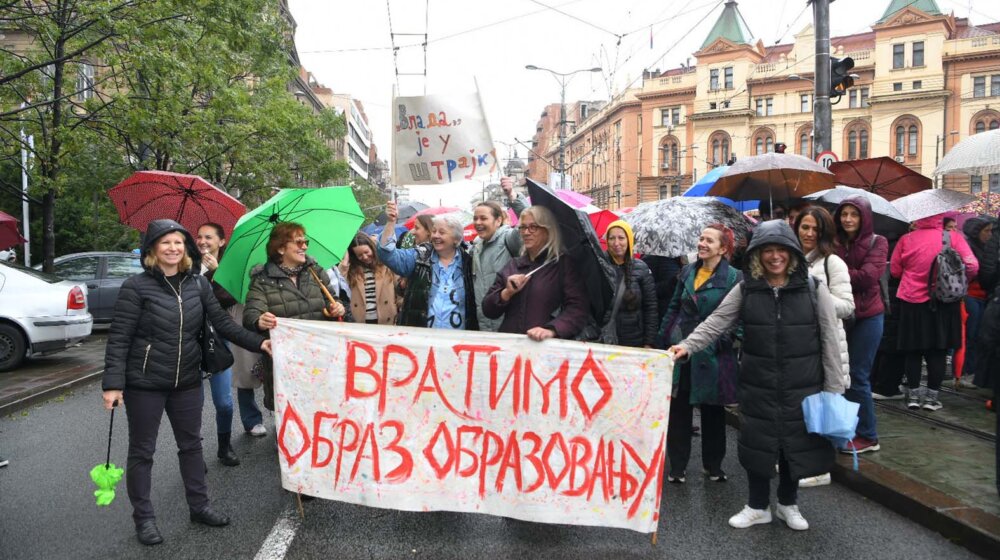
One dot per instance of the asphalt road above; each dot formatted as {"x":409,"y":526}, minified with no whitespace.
{"x":47,"y":510}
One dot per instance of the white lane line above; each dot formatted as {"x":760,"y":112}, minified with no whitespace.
{"x":281,"y":536}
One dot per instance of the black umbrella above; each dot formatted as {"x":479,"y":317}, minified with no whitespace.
{"x":581,"y":244}
{"x":406,"y":211}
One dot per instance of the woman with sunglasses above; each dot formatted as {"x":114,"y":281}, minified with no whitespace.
{"x":539,"y":293}
{"x":284,"y":287}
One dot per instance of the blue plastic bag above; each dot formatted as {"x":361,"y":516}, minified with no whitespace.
{"x":832,"y":416}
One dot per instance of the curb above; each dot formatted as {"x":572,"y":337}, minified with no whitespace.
{"x":32,"y":397}
{"x":965,"y":525}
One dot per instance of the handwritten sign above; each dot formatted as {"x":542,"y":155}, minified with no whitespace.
{"x":439,"y":139}
{"x":421,"y":420}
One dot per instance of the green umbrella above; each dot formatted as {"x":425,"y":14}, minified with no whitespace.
{"x":331,"y":217}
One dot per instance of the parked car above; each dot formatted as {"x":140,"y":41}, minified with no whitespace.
{"x":39,"y":314}
{"x":104,"y":273}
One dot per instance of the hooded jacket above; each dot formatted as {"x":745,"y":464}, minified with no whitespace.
{"x":637,"y":319}
{"x":790,"y":351}
{"x":866,"y":258}
{"x":154,"y":340}
{"x":986,"y":254}
{"x":915,"y":254}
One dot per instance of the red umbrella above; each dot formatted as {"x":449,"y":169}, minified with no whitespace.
{"x":601,"y":219}
{"x":187,"y":199}
{"x":9,"y":235}
{"x":883,"y":176}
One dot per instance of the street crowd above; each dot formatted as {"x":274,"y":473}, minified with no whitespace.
{"x":814,"y":301}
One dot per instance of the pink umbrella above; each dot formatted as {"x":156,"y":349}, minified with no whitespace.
{"x":573,"y":198}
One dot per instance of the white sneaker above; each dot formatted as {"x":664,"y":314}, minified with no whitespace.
{"x":749,"y":517}
{"x":259,"y":430}
{"x":791,"y":516}
{"x":813,"y":481}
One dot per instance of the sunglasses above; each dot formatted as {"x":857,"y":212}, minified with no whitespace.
{"x":301,"y":243}
{"x":531,"y":228}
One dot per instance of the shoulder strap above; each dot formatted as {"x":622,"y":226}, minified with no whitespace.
{"x":826,"y":268}
{"x":813,"y":283}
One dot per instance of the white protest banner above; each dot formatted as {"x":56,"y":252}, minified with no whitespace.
{"x":440,"y":139}
{"x":419,"y":420}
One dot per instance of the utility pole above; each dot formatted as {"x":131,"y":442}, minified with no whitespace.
{"x":27,"y":142}
{"x":822,"y":113}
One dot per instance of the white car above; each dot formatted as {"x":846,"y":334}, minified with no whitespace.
{"x":39,"y":314}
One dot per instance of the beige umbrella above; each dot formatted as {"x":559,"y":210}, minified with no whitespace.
{"x":772,"y":176}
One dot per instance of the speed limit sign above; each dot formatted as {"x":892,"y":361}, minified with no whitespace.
{"x":827,"y":158}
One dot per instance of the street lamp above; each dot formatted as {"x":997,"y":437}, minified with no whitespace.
{"x":562,"y":77}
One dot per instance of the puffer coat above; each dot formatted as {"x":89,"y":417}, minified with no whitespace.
{"x":271,"y":290}
{"x":789,"y":353}
{"x":638,"y":318}
{"x":832,"y":271}
{"x":154,"y":341}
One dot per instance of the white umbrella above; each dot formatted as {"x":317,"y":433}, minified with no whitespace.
{"x":930,"y":203}
{"x":887,"y":217}
{"x":978,"y":154}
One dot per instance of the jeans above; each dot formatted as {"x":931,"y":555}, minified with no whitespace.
{"x":144,"y":410}
{"x":222,"y":398}
{"x":760,"y":487}
{"x":862,"y":345}
{"x":974,"y":307}
{"x":249,"y":413}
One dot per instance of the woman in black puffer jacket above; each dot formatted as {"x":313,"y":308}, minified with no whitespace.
{"x":637,"y":319}
{"x":153,"y":364}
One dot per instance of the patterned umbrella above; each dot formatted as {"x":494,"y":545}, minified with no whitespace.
{"x":772,"y":176}
{"x":887,"y":217}
{"x":187,"y":199}
{"x":978,"y":154}
{"x":931,"y":203}
{"x":671,"y":227}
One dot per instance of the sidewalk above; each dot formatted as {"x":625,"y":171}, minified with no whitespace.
{"x":45,"y":377}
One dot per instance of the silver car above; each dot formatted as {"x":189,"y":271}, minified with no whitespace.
{"x":39,"y":314}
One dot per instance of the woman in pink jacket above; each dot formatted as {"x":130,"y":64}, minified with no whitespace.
{"x":927,"y":328}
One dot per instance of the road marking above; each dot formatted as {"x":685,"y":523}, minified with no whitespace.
{"x":282,"y":534}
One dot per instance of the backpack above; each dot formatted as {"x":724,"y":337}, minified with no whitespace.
{"x":947,"y":282}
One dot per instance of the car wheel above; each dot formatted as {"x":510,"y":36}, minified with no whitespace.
{"x":13,"y":347}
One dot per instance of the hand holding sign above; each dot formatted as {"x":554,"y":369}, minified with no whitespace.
{"x":391,"y":213}
{"x":507,"y":184}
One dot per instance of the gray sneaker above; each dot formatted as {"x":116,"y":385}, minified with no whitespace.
{"x":913,"y":397}
{"x":931,"y":401}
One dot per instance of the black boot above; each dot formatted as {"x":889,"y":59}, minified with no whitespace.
{"x":148,"y":533}
{"x":210,"y":517}
{"x":226,"y":454}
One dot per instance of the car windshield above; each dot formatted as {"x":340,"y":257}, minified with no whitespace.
{"x":35,"y":273}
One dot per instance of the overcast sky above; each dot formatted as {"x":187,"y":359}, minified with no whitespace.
{"x":348,"y":47}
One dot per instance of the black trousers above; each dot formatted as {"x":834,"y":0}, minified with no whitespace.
{"x":760,"y":487}
{"x":713,"y":430}
{"x":936,"y":364}
{"x":144,"y":410}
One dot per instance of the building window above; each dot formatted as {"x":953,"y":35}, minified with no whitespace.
{"x":804,"y":103}
{"x":638,"y":124}
{"x":670,"y":155}
{"x":765,"y":107}
{"x":897,"y":86}
{"x":852,"y":143}
{"x":918,"y":53}
{"x":763,"y":141}
{"x":713,"y":79}
{"x":663,"y":192}
{"x":864,"y":97}
{"x":863,"y":143}
{"x":976,"y":185}
{"x":760,"y":107}
{"x":712,"y":105}
{"x":769,"y":102}
{"x":670,"y":116}
{"x":675,"y":189}
{"x":900,"y":140}
{"x":918,"y":84}
{"x":85,"y":82}
{"x":719,"y":141}
{"x":729,"y":77}
{"x":852,"y":98}
{"x":805,"y":142}
{"x":897,"y":55}
{"x":979,"y":86}
{"x":995,"y":85}
{"x":912,"y":139}
{"x":994,"y":182}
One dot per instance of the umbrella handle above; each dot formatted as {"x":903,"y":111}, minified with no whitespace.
{"x":326,"y":293}
{"x":107,"y":460}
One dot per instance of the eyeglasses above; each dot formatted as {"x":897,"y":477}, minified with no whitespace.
{"x":301,"y":243}
{"x":531,"y":228}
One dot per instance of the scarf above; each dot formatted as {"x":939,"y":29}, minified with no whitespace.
{"x":291,"y":271}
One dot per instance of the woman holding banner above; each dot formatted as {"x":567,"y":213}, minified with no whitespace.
{"x":538,"y":293}
{"x":790,"y":351}
{"x":701,"y":287}
{"x":439,"y":292}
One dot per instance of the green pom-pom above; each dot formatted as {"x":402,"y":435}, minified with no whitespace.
{"x":106,"y":477}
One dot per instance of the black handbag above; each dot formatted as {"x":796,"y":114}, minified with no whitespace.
{"x":215,"y":355}
{"x":609,"y":332}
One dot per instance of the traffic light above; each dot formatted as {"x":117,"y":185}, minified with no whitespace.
{"x":840,"y":76}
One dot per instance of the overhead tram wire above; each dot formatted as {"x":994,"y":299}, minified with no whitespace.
{"x":581,"y":20}
{"x":395,"y":49}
